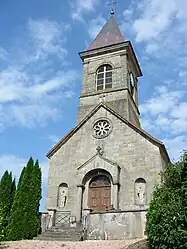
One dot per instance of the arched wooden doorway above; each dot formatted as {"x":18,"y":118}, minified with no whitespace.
{"x":99,"y":194}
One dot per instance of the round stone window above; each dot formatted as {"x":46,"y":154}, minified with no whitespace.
{"x":102,"y":128}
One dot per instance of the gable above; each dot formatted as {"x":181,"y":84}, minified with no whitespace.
{"x":98,"y":161}
{"x":105,"y":108}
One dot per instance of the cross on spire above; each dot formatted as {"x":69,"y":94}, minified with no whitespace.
{"x":113,"y":2}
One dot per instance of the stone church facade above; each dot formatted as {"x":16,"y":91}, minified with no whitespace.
{"x":102,"y":173}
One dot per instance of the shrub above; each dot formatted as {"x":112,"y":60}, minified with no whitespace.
{"x":166,"y":222}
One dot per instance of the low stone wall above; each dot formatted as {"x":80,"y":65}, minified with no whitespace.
{"x":116,"y":225}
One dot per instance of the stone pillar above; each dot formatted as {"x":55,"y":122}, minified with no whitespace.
{"x":115,"y":195}
{"x":80,"y":188}
{"x":52,"y":214}
{"x":44,"y":221}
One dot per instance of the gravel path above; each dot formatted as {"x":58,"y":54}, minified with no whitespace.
{"x":94,"y":244}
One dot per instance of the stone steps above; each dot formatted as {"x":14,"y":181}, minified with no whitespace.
{"x":61,"y":234}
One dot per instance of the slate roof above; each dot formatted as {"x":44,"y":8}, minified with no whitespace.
{"x":146,"y":135}
{"x":110,"y":34}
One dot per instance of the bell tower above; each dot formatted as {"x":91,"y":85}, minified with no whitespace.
{"x":110,"y":74}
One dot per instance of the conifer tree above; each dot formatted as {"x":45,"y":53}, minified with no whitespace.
{"x":7,"y":189}
{"x":18,"y":224}
{"x":35,"y":192}
{"x":13,"y":191}
{"x":1,"y":225}
{"x":24,"y":216}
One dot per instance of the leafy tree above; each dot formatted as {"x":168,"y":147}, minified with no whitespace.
{"x":166,"y":215}
{"x":7,"y":190}
{"x":184,"y":198}
{"x":24,"y":216}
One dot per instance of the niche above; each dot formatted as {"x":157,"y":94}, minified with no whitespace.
{"x":140,"y":191}
{"x":62,"y":195}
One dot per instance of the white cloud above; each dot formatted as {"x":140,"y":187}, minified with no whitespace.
{"x":80,"y":7}
{"x":128,"y":13}
{"x":47,"y":36}
{"x":12,"y":163}
{"x":95,"y":26}
{"x":163,"y":98}
{"x":3,"y":54}
{"x":156,"y":16}
{"x":53,"y":138}
{"x":164,"y":115}
{"x":159,"y":27}
{"x":32,"y":84}
{"x":176,"y":146}
{"x":180,"y":111}
{"x":15,"y":165}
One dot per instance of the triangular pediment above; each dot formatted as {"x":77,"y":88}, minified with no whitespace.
{"x":98,"y":157}
{"x":129,"y":124}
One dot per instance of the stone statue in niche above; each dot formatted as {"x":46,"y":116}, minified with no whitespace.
{"x":63,"y":193}
{"x":140,"y":192}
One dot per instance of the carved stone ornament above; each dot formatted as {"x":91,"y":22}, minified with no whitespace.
{"x":102,"y":128}
{"x":99,"y":150}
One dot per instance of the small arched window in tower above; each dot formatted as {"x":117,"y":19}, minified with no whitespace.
{"x":140,"y":191}
{"x":104,"y":77}
{"x":62,"y":195}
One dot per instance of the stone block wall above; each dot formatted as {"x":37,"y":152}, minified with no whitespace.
{"x":137,"y":157}
{"x":116,"y":225}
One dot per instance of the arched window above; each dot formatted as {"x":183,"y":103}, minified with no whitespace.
{"x":104,"y":77}
{"x":62,"y":195}
{"x":140,"y":191}
{"x":99,"y":198}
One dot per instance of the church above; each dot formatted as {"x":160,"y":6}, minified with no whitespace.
{"x":102,"y":173}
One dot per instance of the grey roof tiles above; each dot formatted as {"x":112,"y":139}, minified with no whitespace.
{"x":110,"y":34}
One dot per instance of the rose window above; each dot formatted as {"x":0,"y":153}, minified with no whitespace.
{"x":102,"y":128}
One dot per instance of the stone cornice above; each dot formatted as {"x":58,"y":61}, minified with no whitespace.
{"x":111,"y":91}
{"x":113,"y":48}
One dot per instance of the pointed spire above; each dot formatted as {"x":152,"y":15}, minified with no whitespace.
{"x":110,"y":34}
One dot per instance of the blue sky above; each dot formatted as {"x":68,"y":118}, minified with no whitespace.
{"x":41,"y":72}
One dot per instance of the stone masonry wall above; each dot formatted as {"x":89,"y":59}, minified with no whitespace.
{"x":116,"y":225}
{"x":136,"y":156}
{"x":117,"y":60}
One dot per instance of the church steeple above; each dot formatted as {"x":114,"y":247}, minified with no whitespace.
{"x":110,"y":34}
{"x":110,"y":74}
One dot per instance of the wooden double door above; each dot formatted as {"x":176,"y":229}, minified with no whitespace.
{"x":99,"y":198}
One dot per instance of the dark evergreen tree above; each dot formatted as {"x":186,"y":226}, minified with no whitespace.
{"x":7,"y":189}
{"x":1,"y":225}
{"x":18,"y":224}
{"x":24,"y":218}
{"x":166,"y":214}
{"x":35,"y":192}
{"x":13,"y":191}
